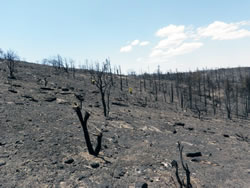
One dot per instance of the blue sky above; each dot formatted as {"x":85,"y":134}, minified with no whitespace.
{"x":136,"y":34}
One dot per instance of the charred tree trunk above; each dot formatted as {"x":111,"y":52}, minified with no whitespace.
{"x":140,"y":85}
{"x":120,"y":74}
{"x":86,"y":133}
{"x":144,"y":83}
{"x":205,"y":94}
{"x":172,"y":93}
{"x":190,"y":95}
{"x":155,"y":91}
{"x":237,"y":101}
{"x":104,"y":103}
{"x":213,"y":99}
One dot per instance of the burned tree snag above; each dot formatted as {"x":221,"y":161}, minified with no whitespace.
{"x":172,"y":93}
{"x":175,"y":164}
{"x":102,"y":80}
{"x":185,"y":168}
{"x":86,"y":133}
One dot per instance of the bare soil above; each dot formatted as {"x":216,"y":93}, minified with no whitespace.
{"x":42,"y":142}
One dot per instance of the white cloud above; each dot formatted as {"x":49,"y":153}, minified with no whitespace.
{"x":127,"y":48}
{"x":172,"y":40}
{"x":184,"y":48}
{"x":170,"y":30}
{"x":144,"y":43}
{"x":135,"y":42}
{"x":223,"y":31}
{"x":156,"y":53}
{"x":173,"y":43}
{"x":180,"y":39}
{"x":130,"y":46}
{"x":177,"y":40}
{"x":139,"y":59}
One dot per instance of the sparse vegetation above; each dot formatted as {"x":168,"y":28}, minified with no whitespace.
{"x":61,"y":65}
{"x":10,"y":58}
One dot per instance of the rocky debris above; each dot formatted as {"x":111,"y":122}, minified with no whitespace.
{"x":69,"y":161}
{"x":19,"y":142}
{"x":40,"y":140}
{"x":46,"y":88}
{"x":104,"y":185}
{"x":140,"y":104}
{"x":141,"y":185}
{"x":170,"y":128}
{"x":2,"y":162}
{"x":81,"y":178}
{"x":27,"y":96}
{"x":65,"y":93}
{"x":19,"y":103}
{"x":54,"y":162}
{"x":65,"y":89}
{"x":241,"y":137}
{"x":2,"y":143}
{"x":197,"y":160}
{"x":208,"y":131}
{"x":97,"y":105}
{"x":12,"y":90}
{"x":179,"y":124}
{"x":119,"y":172}
{"x":195,"y":154}
{"x":61,"y":101}
{"x":95,"y":92}
{"x":226,"y":135}
{"x":119,"y":104}
{"x":16,"y":85}
{"x":50,"y":99}
{"x":94,"y":165}
{"x":33,"y":100}
{"x":30,"y":98}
